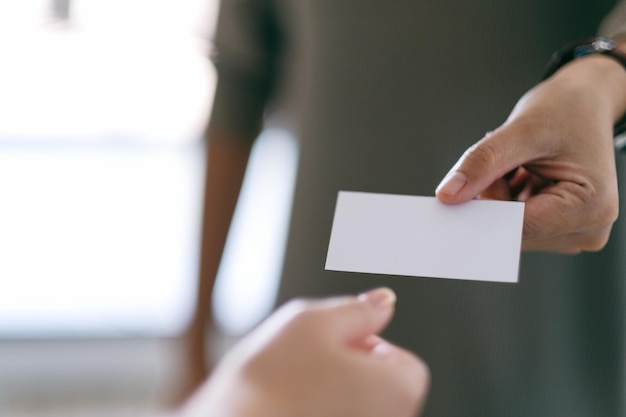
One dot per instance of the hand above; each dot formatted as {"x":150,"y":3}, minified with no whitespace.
{"x":317,"y":358}
{"x":555,"y":152}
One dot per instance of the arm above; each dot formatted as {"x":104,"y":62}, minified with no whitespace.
{"x":555,"y":152}
{"x":226,"y":163}
{"x":246,"y":48}
{"x":317,"y":358}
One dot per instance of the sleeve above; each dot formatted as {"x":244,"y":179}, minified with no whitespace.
{"x":245,"y":52}
{"x":614,"y":24}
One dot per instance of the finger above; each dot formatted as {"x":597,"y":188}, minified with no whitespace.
{"x":533,"y":187}
{"x":545,"y":217}
{"x":485,"y":162}
{"x":379,"y":347}
{"x":335,"y":319}
{"x":409,"y":371}
{"x":571,"y":244}
{"x":565,"y":206}
{"x":356,"y":318}
{"x":499,"y":190}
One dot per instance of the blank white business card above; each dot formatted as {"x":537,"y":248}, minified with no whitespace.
{"x":419,"y":236}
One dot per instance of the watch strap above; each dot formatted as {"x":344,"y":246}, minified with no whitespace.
{"x":579,"y":49}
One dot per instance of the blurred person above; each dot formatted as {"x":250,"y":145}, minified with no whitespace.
{"x":317,"y":358}
{"x":383,"y":97}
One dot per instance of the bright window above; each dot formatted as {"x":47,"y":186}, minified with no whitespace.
{"x":102,"y":104}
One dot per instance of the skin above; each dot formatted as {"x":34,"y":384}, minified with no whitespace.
{"x":557,"y":142}
{"x":317,"y":358}
{"x":554,"y":152}
{"x":227,"y":159}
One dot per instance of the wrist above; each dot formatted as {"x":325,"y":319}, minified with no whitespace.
{"x":596,"y":65}
{"x":603,"y":81}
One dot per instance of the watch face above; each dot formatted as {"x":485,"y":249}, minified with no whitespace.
{"x":599,"y":45}
{"x":579,"y":49}
{"x":603,"y":44}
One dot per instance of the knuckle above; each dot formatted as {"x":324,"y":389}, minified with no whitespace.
{"x":603,"y":206}
{"x":596,"y":241}
{"x":600,"y":223}
{"x":484,"y":152}
{"x":610,"y":211}
{"x":579,"y":211}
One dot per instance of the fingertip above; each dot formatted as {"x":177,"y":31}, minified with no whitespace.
{"x":452,"y":184}
{"x":453,"y":189}
{"x":379,"y":297}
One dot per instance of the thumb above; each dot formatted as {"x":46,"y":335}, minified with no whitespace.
{"x":359,"y":317}
{"x":483,"y":164}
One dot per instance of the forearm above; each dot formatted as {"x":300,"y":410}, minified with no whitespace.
{"x":226,"y":163}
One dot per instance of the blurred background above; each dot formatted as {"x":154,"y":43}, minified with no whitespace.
{"x":102,"y":107}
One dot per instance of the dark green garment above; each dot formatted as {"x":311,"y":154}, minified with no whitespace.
{"x":384,"y":96}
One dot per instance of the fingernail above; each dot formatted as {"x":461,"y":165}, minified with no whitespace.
{"x":452,"y":183}
{"x":379,"y":297}
{"x":382,"y":349}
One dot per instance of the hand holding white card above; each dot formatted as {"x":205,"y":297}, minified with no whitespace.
{"x":420,"y":236}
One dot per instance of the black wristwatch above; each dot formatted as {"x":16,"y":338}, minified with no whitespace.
{"x":579,"y":49}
